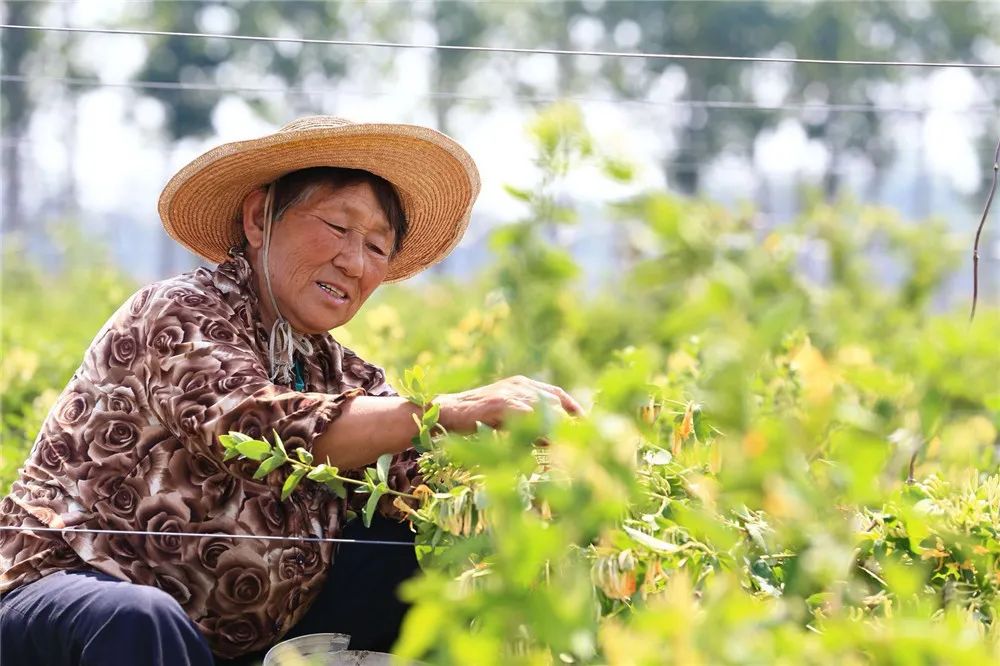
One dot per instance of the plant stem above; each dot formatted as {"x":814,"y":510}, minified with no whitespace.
{"x":344,"y":479}
{"x":979,"y":232}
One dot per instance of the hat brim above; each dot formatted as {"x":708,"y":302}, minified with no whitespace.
{"x":436,"y":180}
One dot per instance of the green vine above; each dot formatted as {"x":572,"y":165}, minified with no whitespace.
{"x":415,"y":390}
{"x":273,"y":456}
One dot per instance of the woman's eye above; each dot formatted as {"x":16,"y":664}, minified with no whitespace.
{"x":336,"y":227}
{"x":377,"y":250}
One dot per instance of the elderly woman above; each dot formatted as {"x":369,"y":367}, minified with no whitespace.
{"x":306,"y":223}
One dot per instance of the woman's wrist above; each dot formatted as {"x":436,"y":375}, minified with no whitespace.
{"x":444,"y":410}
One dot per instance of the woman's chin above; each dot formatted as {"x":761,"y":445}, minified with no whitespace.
{"x":318,"y":325}
{"x":322,"y":318}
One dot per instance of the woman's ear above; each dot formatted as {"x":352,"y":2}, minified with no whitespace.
{"x":253,"y":218}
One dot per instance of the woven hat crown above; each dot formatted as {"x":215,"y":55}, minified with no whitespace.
{"x":314,"y":122}
{"x":436,"y":180}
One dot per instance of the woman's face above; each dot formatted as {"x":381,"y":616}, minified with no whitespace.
{"x":328,"y":253}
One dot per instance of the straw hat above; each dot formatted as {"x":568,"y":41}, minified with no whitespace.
{"x":435,"y":178}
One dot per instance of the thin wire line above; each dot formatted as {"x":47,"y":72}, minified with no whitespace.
{"x":676,"y":165}
{"x":374,"y":542}
{"x":708,"y":104}
{"x":506,"y":49}
{"x":539,"y":2}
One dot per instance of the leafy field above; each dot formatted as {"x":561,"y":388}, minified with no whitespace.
{"x":775,"y":469}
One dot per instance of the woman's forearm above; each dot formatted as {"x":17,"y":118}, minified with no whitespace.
{"x":367,"y":428}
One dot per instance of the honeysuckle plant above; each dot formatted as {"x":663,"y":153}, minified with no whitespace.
{"x":301,"y":465}
{"x":780,"y":466}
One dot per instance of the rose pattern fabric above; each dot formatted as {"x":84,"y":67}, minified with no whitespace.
{"x":132,"y":444}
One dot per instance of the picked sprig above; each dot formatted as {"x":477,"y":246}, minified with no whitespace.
{"x":415,"y":390}
{"x":273,"y":456}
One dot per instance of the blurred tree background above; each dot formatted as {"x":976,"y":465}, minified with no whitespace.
{"x":761,"y":132}
{"x":757,"y":274}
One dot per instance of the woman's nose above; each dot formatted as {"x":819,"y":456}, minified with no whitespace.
{"x":350,"y":256}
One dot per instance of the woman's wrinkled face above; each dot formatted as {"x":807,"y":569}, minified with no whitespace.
{"x":328,"y":254}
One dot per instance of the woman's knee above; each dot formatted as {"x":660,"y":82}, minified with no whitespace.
{"x":145,"y":606}
{"x":146,"y":621}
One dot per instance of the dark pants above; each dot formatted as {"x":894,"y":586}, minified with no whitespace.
{"x":90,"y":618}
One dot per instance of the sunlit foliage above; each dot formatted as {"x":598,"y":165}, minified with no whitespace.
{"x":791,"y":454}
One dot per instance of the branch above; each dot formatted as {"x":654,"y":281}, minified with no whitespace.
{"x":979,"y":232}
{"x":910,"y":480}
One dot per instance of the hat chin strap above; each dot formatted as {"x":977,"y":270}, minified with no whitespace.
{"x":284,"y":340}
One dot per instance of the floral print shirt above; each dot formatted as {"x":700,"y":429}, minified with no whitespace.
{"x":132,"y":444}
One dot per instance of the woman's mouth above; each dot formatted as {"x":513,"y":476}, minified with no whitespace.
{"x":333,"y":293}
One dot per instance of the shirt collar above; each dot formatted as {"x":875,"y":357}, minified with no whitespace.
{"x":236,"y":280}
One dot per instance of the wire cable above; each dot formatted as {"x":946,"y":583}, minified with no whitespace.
{"x":692,"y":103}
{"x":506,"y":49}
{"x":526,"y":2}
{"x":70,"y":530}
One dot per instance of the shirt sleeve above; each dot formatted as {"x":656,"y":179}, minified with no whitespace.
{"x":204,"y":380}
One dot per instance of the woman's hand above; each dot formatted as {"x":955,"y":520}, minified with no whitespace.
{"x":492,"y":403}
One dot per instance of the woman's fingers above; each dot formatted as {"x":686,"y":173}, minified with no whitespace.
{"x":569,"y":403}
{"x":520,"y":406}
{"x":566,"y":401}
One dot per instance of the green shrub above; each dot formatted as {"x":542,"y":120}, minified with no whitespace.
{"x":780,"y":465}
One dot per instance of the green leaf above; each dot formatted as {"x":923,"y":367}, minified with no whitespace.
{"x":618,"y":169}
{"x":336,"y":486}
{"x":518,"y":193}
{"x":756,"y":536}
{"x":432,"y":414}
{"x":421,"y":441}
{"x":230,"y":454}
{"x":327,"y":475}
{"x":413,"y":383}
{"x":304,"y":456}
{"x":702,"y":429}
{"x":227,"y":441}
{"x":382,"y":467}
{"x":651,"y":542}
{"x":239,"y":437}
{"x":322,"y":473}
{"x":292,"y":482}
{"x":278,"y":443}
{"x":268,"y":466}
{"x":372,"y":505}
{"x":254,"y":449}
